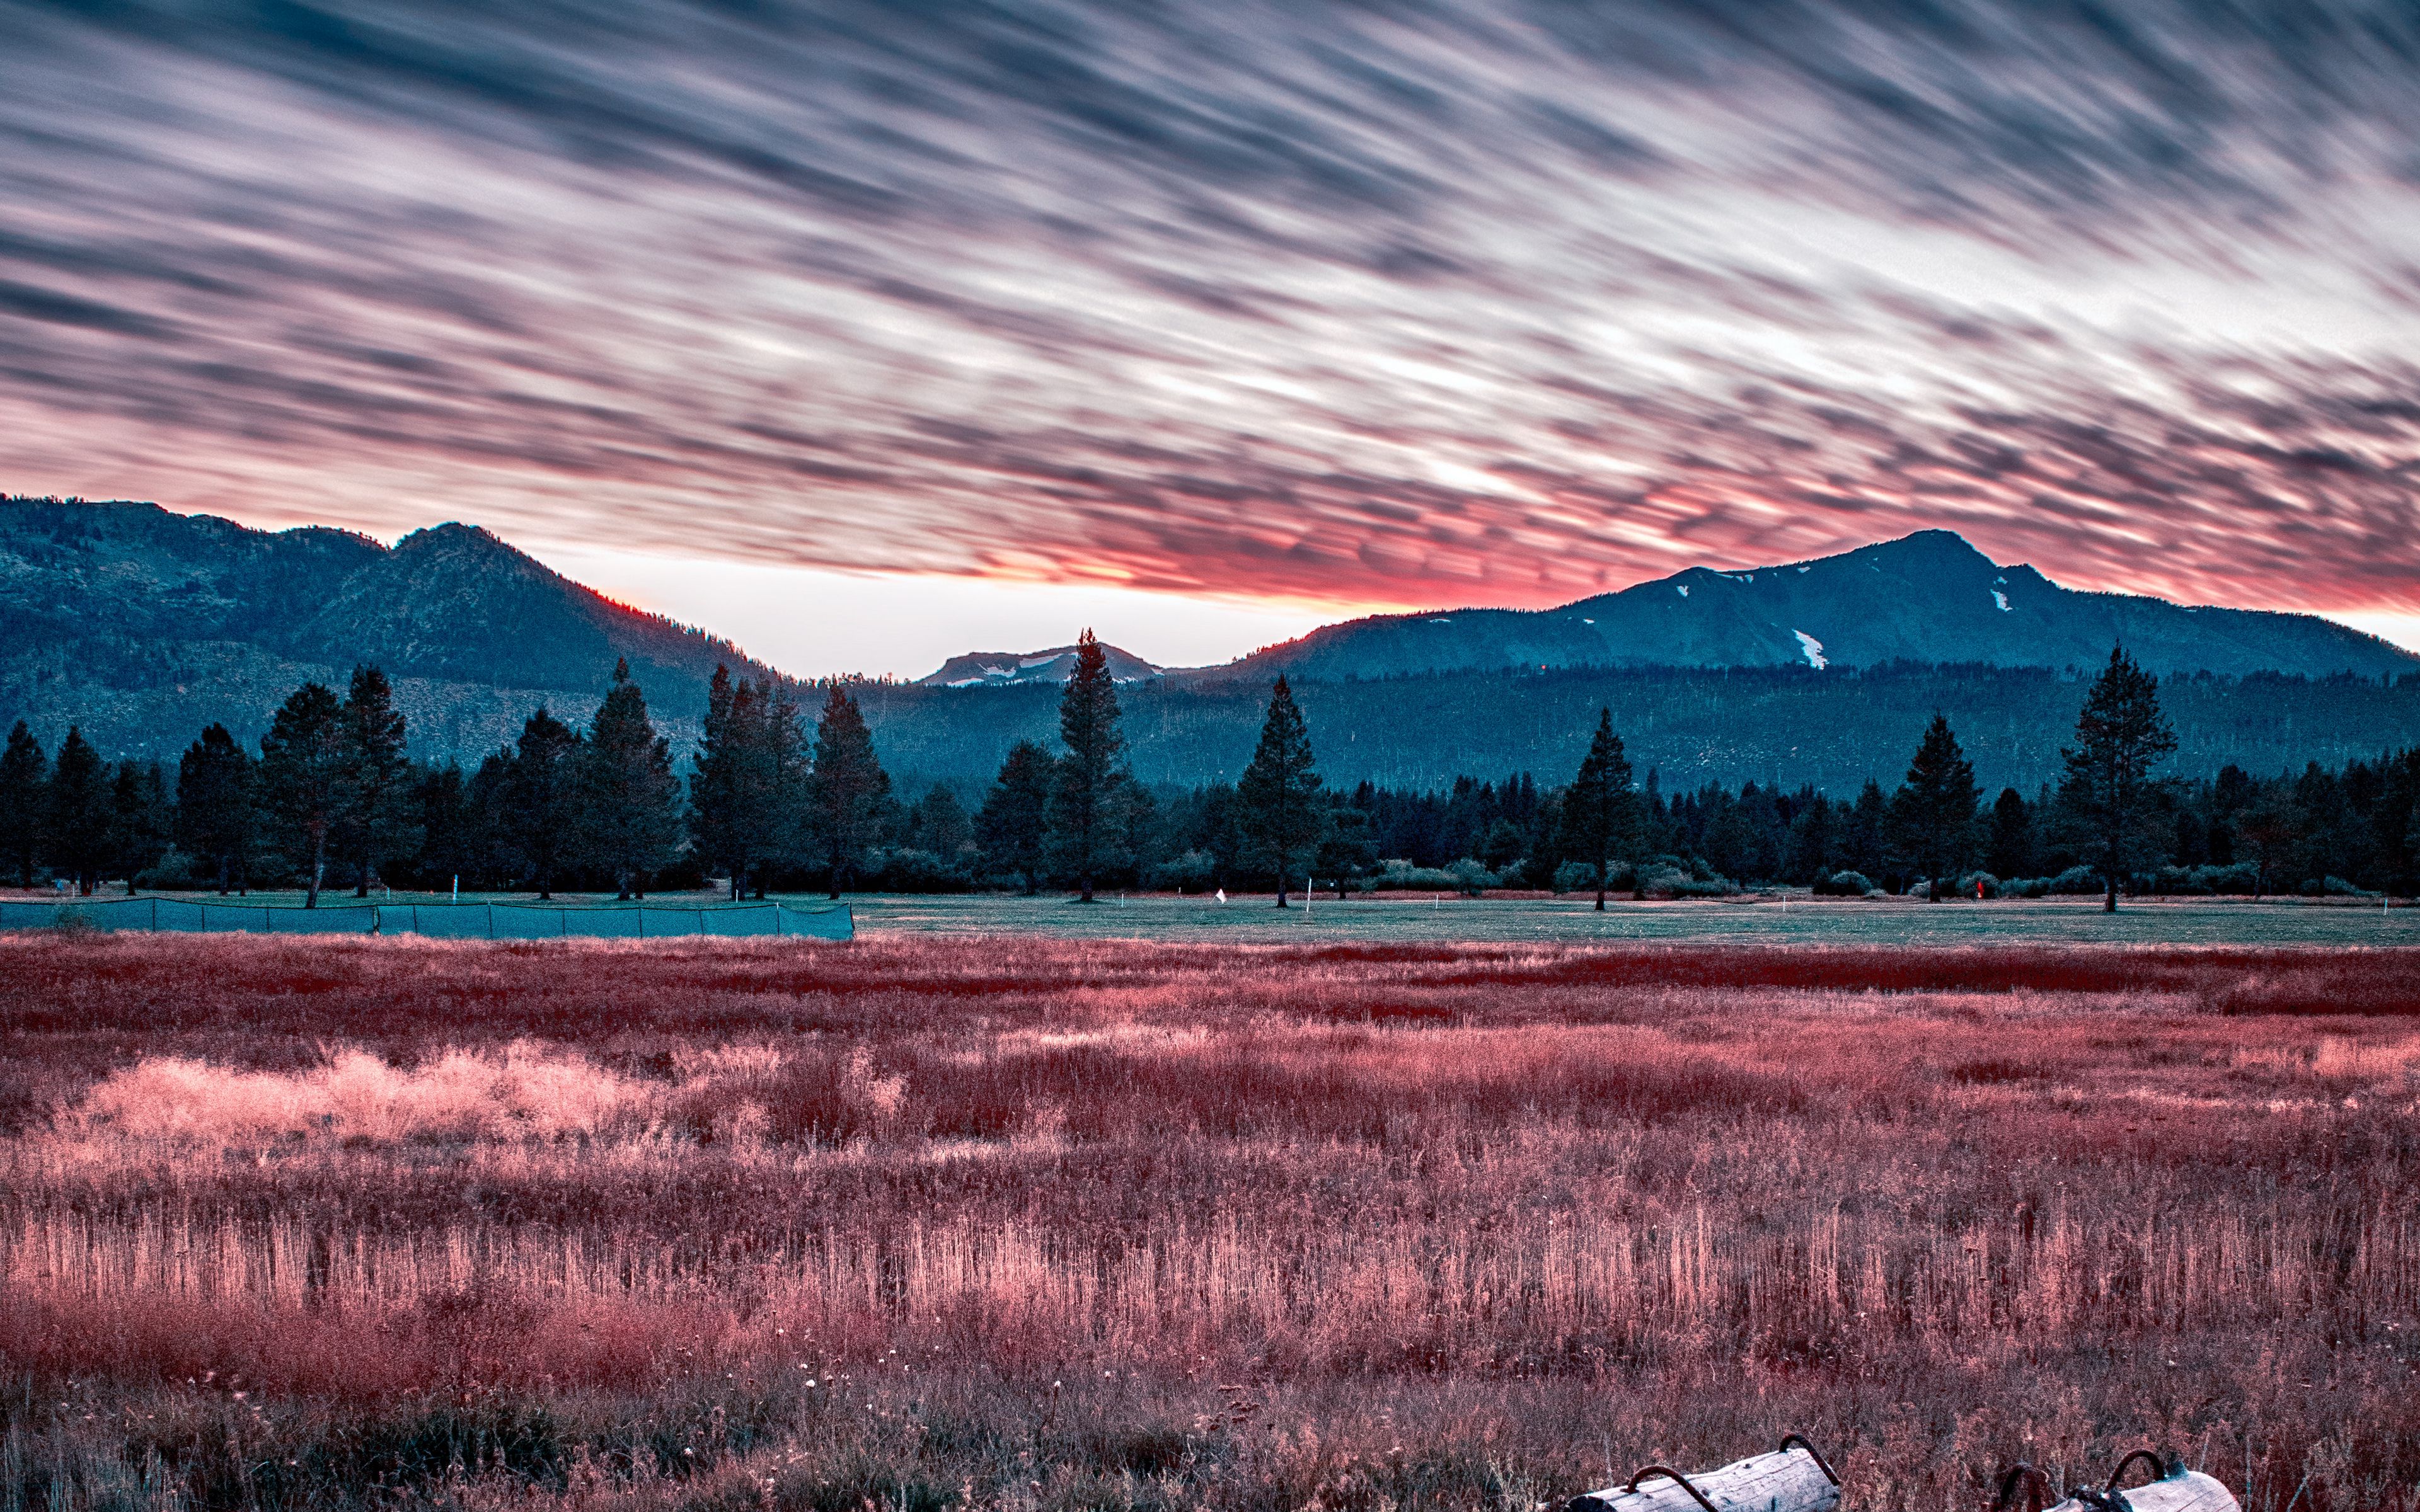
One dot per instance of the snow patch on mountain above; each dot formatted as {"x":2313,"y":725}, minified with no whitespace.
{"x":2000,"y":598}
{"x":1684,"y":587}
{"x":1814,"y":650}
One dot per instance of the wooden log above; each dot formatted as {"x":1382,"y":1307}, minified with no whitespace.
{"x":2181,"y":1490}
{"x":1790,"y":1479}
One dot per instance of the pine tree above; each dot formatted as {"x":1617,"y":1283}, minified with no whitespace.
{"x":375,"y":823}
{"x":1013,"y":826}
{"x":214,"y":803}
{"x":1600,"y":814}
{"x":2108,"y":792}
{"x":138,"y":821}
{"x":1347,"y":846}
{"x":745,"y":792}
{"x":24,"y":779}
{"x":630,"y":801}
{"x":1932,"y":815}
{"x":845,"y":788}
{"x":449,"y":831}
{"x":1085,"y":803}
{"x":76,"y":820}
{"x":1280,"y":792}
{"x":542,"y":797}
{"x":304,"y":759}
{"x":2011,"y":852}
{"x":939,"y":825}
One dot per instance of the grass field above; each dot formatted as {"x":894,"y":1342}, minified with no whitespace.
{"x":1761,"y":918}
{"x":926,"y":1221}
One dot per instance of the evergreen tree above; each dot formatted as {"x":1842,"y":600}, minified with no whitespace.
{"x":1933,"y":815}
{"x":2108,"y":792}
{"x":745,"y":792}
{"x":1863,"y":835}
{"x":138,"y":826}
{"x":2011,"y":852}
{"x":1348,"y":844}
{"x":1600,"y":814}
{"x":449,"y":830}
{"x":24,"y":781}
{"x":1280,"y":792}
{"x":542,"y":797}
{"x":76,"y":819}
{"x":376,"y":822}
{"x":939,"y":825}
{"x":1014,"y":825}
{"x":1814,"y":840}
{"x":845,"y":788}
{"x":214,"y":803}
{"x":630,"y":801}
{"x":304,"y":763}
{"x":1084,"y":807}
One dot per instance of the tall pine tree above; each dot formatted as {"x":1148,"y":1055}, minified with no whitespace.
{"x":1280,"y":793}
{"x":745,"y":792}
{"x":138,"y":821}
{"x":1599,"y":817}
{"x":2108,"y":793}
{"x":1932,"y":815}
{"x":845,"y":789}
{"x":76,"y":824}
{"x":24,"y":780}
{"x":304,"y":759}
{"x":377,"y":821}
{"x":1085,"y":806}
{"x":1014,"y":825}
{"x":630,"y":801}
{"x":214,"y":804}
{"x":542,"y":797}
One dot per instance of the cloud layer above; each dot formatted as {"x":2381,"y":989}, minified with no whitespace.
{"x":1489,"y":300}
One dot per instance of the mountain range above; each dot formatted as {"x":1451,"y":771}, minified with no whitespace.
{"x":143,"y":625}
{"x":1928,"y":597}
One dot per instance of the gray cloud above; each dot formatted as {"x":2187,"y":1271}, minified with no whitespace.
{"x":1498,"y":302}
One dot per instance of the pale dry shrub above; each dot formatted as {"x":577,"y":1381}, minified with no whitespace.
{"x":526,"y":1091}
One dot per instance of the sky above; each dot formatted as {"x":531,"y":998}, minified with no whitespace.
{"x":863,"y":333}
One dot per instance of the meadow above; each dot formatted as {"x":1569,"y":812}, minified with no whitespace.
{"x":930,"y":1221}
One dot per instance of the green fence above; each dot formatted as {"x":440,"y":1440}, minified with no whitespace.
{"x":441,"y":921}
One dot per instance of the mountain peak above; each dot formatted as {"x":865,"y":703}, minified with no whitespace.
{"x":1003,"y":669}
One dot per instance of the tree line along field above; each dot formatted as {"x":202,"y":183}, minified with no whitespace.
{"x":770,"y":801}
{"x":927,"y":1223}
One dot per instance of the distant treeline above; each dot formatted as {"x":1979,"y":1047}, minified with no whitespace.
{"x":774,"y":800}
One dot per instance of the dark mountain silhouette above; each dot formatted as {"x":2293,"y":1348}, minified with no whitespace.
{"x":1004,"y":669}
{"x":145,"y":625}
{"x":1928,"y":597}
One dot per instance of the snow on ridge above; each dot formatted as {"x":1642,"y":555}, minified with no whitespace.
{"x":1684,"y":587}
{"x":2000,"y":598}
{"x":1814,"y":650}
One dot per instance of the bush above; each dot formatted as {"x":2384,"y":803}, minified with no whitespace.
{"x":2339,"y":887}
{"x":173,"y":869}
{"x":909,"y":870}
{"x":1979,"y":884}
{"x":1666,"y":881}
{"x":2076,"y":879}
{"x":1193,"y":872}
{"x":1399,"y":872}
{"x":1574,"y":876}
{"x":1843,"y":884}
{"x":1472,"y":877}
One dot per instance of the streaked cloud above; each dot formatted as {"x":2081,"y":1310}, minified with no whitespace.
{"x":1503,"y":301}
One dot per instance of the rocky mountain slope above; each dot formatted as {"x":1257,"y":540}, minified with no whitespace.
{"x":145,"y":625}
{"x":1005,"y":668}
{"x":1928,"y":597}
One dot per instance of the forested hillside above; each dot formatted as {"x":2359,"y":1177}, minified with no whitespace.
{"x":1770,"y":725}
{"x":141,"y":625}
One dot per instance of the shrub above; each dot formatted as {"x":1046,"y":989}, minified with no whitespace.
{"x":1979,"y":884}
{"x":2076,"y":879}
{"x":1843,"y":884}
{"x":1470,"y":877}
{"x":1574,"y":876}
{"x":1193,"y":872}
